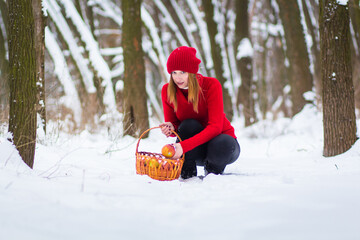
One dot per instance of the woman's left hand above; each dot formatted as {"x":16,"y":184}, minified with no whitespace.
{"x":178,"y":151}
{"x":167,"y":128}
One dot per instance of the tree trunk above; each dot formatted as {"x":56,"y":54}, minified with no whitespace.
{"x":216,"y":55}
{"x":173,"y":12}
{"x":22,"y":78}
{"x":313,"y":31}
{"x":244,"y":64}
{"x":4,"y":64}
{"x":135,"y":98}
{"x":297,"y":54}
{"x":78,"y":7}
{"x":40,"y":58}
{"x":278,"y":71}
{"x":90,"y":17}
{"x":338,"y":91}
{"x":4,"y":74}
{"x":354,"y":7}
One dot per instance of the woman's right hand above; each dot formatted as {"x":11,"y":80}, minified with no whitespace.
{"x":167,"y":128}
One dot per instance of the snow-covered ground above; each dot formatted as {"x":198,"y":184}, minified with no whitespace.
{"x":281,"y":187}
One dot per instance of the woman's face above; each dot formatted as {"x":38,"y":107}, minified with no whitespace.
{"x":181,"y":79}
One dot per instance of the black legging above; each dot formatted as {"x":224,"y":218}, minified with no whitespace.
{"x":214,"y":154}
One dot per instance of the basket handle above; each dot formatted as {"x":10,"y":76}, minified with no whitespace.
{"x":137,"y":145}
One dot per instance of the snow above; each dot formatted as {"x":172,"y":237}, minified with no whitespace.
{"x":85,"y":187}
{"x":342,"y":2}
{"x":244,"y":49}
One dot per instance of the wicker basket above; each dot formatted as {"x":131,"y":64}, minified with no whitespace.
{"x":155,"y":165}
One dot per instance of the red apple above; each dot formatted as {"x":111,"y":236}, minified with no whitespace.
{"x":168,"y":150}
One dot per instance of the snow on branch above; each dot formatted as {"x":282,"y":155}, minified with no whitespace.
{"x":149,"y":22}
{"x":244,"y":49}
{"x":342,"y":2}
{"x":54,"y":12}
{"x":204,"y":36}
{"x":110,"y":10}
{"x":188,"y":28}
{"x":96,"y":59}
{"x":219,"y":18}
{"x":170,"y":22}
{"x":71,"y":98}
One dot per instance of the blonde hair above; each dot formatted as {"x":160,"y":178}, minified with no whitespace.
{"x":193,"y":95}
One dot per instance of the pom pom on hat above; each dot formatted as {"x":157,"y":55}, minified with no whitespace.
{"x":183,"y":59}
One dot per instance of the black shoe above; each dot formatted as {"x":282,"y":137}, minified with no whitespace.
{"x":188,"y":170}
{"x":211,"y":169}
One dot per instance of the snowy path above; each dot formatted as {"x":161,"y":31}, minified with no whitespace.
{"x":280,"y":188}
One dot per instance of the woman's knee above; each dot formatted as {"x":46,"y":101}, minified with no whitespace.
{"x":223,"y":149}
{"x":189,"y":128}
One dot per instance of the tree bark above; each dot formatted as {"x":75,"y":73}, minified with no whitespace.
{"x":4,"y":70}
{"x":354,"y":7}
{"x":135,"y":98}
{"x":175,"y":17}
{"x":90,"y":16}
{"x":244,"y":64}
{"x":4,"y":64}
{"x":40,"y":58}
{"x":338,"y":91}
{"x":22,"y":78}
{"x":278,"y":71}
{"x":78,"y":7}
{"x":216,"y":55}
{"x":296,"y":51}
{"x":314,"y":49}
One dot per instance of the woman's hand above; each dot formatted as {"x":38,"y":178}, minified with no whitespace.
{"x":167,"y":128}
{"x":178,"y":151}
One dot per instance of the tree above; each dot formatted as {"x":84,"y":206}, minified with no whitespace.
{"x":135,"y":98}
{"x":297,"y":54}
{"x":244,"y":61}
{"x":216,"y":55}
{"x":277,"y":72}
{"x":312,"y":28}
{"x":4,"y":63}
{"x":22,"y":78}
{"x":338,"y":90}
{"x":354,"y":8}
{"x":40,"y":58}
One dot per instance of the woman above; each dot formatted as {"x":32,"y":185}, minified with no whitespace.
{"x":193,"y":107}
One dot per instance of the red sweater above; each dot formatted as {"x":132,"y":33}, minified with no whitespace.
{"x":211,"y":112}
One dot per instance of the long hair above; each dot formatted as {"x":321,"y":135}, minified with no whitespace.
{"x":193,"y":95}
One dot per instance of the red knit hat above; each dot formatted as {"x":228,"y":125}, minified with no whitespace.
{"x":183,"y":59}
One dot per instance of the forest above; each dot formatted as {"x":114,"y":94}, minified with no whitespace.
{"x":81,"y":80}
{"x":269,"y":56}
